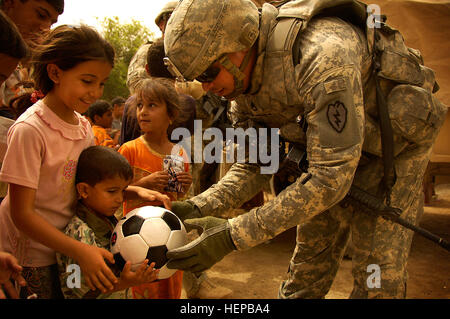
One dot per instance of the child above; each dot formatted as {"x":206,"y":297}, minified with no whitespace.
{"x":102,"y":177}
{"x":118,"y":104}
{"x":12,"y":47}
{"x":100,"y":113}
{"x":70,"y":68}
{"x":12,"y":50}
{"x":156,"y":109}
{"x":155,"y":68}
{"x":33,"y":19}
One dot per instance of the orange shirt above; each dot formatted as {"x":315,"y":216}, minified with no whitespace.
{"x":144,"y":161}
{"x":102,"y":137}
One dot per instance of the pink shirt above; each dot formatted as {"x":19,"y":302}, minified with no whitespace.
{"x":42,"y":154}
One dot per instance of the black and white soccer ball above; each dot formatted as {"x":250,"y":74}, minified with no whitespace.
{"x":147,"y":233}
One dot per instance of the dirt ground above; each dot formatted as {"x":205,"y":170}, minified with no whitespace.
{"x":258,"y":272}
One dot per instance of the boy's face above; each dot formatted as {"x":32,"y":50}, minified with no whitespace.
{"x":106,"y":197}
{"x":32,"y":17}
{"x":105,"y":120}
{"x":118,"y":110}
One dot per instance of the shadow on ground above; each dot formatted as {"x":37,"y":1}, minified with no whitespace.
{"x":258,"y":272}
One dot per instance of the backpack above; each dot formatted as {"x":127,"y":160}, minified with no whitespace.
{"x":406,"y":108}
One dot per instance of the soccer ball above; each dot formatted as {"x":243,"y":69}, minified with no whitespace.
{"x":147,"y":233}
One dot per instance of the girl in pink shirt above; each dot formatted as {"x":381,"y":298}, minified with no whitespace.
{"x":70,"y":68}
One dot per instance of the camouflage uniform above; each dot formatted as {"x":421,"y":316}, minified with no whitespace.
{"x":90,"y":229}
{"x":331,"y":87}
{"x":136,"y":69}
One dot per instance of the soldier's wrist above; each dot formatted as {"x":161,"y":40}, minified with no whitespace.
{"x":196,"y":212}
{"x":230,"y":242}
{"x":185,"y":210}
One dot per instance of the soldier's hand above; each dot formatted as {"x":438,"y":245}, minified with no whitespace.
{"x":214,"y":243}
{"x":185,"y":210}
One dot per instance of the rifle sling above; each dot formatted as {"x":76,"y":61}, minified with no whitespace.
{"x":387,"y":139}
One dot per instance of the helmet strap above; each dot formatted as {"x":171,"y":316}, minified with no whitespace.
{"x":237,"y":73}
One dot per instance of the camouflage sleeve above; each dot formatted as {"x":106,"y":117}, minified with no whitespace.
{"x":240,"y":184}
{"x":334,"y":112}
{"x":136,"y":69}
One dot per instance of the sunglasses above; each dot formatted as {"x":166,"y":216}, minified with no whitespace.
{"x":209,"y":75}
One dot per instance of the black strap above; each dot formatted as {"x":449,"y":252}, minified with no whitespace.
{"x":387,"y":139}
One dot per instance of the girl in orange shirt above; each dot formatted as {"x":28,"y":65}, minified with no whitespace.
{"x":157,"y":107}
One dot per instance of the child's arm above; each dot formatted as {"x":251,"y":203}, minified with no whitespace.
{"x":143,"y":275}
{"x":90,"y":259}
{"x":80,"y":231}
{"x":133,"y":192}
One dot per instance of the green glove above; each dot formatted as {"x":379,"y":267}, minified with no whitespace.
{"x":214,"y":243}
{"x":185,"y":210}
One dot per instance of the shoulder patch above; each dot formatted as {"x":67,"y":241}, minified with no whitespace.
{"x":335,"y":85}
{"x":337,"y":116}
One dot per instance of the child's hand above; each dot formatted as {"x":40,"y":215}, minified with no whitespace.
{"x":151,"y":196}
{"x":144,"y":274}
{"x":9,"y":269}
{"x":185,"y":179}
{"x":156,"y":181}
{"x":96,"y":273}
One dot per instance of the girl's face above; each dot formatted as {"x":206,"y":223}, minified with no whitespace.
{"x":82,"y":85}
{"x":152,"y":115}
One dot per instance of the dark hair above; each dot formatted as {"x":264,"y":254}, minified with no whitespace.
{"x":155,"y":62}
{"x":19,"y":104}
{"x":97,"y":163}
{"x":117,"y":100}
{"x":157,"y":68}
{"x":181,"y":108}
{"x":57,"y":4}
{"x":99,"y":108}
{"x":67,"y":46}
{"x":11,"y":41}
{"x":161,"y":90}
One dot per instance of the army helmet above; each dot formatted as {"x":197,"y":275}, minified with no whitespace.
{"x":199,"y":32}
{"x":167,"y":8}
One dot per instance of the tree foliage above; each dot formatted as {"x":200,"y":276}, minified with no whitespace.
{"x":126,"y":38}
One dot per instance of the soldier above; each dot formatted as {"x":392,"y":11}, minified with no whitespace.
{"x":136,"y":70}
{"x":307,"y":68}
